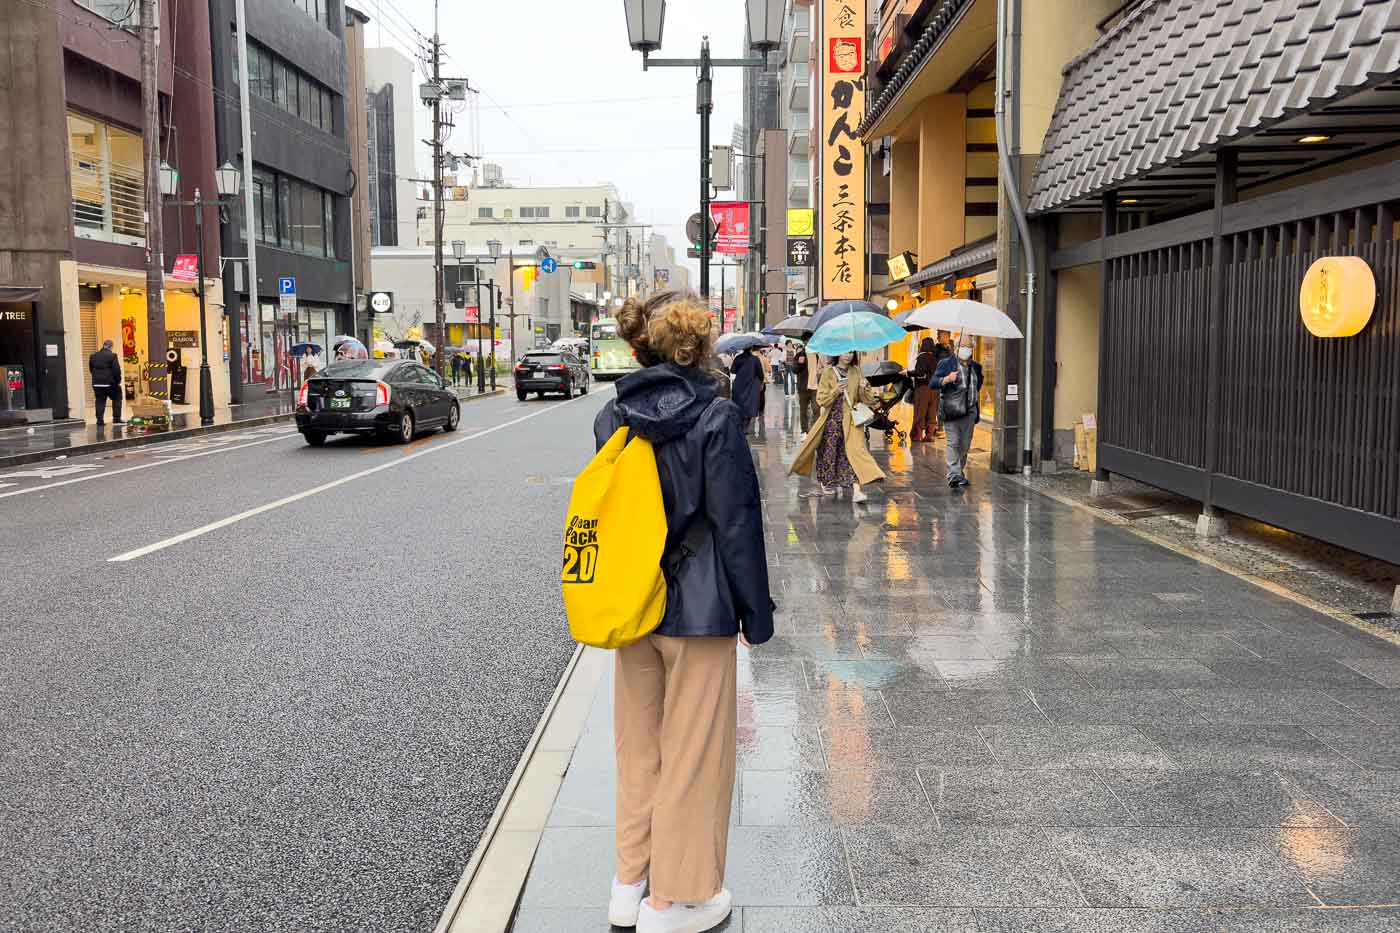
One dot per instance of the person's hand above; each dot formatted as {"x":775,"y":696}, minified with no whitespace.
{"x":743,"y":640}
{"x":951,"y":377}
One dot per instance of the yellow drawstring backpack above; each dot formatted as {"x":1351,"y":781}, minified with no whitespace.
{"x":614,"y":590}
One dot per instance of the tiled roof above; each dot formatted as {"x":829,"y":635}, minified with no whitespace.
{"x":939,"y":23}
{"x":1178,"y":78}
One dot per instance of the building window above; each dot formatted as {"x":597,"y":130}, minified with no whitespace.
{"x":527,"y":242}
{"x":595,"y":212}
{"x":293,"y":215}
{"x":534,"y":213}
{"x":509,"y":213}
{"x":122,"y":12}
{"x":484,"y":212}
{"x":571,"y":211}
{"x":319,"y":10}
{"x":109,"y":194}
{"x":273,"y":79}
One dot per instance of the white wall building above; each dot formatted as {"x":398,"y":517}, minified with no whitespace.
{"x":393,"y":203}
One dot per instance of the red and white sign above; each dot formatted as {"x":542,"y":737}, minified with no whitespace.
{"x":473,"y":313}
{"x":729,"y":315}
{"x":731,"y":226}
{"x":186,"y":269}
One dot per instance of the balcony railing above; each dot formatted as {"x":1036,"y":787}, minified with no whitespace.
{"x":109,"y":201}
{"x":797,"y":86}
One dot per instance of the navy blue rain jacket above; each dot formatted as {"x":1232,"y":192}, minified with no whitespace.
{"x":748,"y":383}
{"x":715,"y":562}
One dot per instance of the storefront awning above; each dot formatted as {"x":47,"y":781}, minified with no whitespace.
{"x":955,"y":34}
{"x":19,"y":293}
{"x":978,"y":257}
{"x":1177,"y":80}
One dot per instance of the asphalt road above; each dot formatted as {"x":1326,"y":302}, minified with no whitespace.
{"x":296,"y":701}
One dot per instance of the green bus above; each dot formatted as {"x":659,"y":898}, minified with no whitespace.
{"x":612,"y":357}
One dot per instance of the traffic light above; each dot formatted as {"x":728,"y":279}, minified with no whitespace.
{"x":585,"y":264}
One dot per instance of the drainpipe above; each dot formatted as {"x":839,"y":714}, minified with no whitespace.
{"x":1013,"y":190}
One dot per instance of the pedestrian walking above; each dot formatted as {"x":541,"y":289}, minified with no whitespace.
{"x":106,"y":372}
{"x":675,"y":693}
{"x":925,"y":395}
{"x":789,"y":372}
{"x":775,"y":363}
{"x":834,"y":451}
{"x":748,"y":386}
{"x":467,"y":370}
{"x":456,"y":369}
{"x":959,"y":381}
{"x":806,"y":392}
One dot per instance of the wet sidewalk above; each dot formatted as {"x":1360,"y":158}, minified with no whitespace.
{"x":989,"y":711}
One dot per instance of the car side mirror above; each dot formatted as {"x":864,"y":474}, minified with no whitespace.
{"x":442,"y":382}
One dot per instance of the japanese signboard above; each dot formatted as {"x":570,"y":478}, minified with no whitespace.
{"x":842,"y":204}
{"x":801,"y":221}
{"x":732,"y":226}
{"x":186,"y":269}
{"x":799,"y":251}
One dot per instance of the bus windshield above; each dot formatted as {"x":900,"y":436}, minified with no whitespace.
{"x":605,"y":331}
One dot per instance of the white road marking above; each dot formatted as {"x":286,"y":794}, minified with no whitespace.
{"x":144,"y":466}
{"x":326,"y":487}
{"x":49,"y":472}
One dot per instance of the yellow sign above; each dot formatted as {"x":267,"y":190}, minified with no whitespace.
{"x":527,"y":277}
{"x":900,"y":266}
{"x":800,"y":221}
{"x":841,"y":60}
{"x":1338,"y":296}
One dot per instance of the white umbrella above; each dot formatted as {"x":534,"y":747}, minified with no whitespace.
{"x":963,"y":316}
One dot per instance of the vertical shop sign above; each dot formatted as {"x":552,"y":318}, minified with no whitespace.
{"x":129,"y":340}
{"x":731,"y":226}
{"x":842,"y":205}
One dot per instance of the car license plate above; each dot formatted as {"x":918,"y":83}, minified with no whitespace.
{"x":340,"y":403}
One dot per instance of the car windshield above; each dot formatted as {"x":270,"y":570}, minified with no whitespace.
{"x":357,"y":369}
{"x":543,"y":359}
{"x":604,"y":331}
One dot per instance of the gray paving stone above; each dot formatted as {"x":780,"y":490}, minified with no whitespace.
{"x":1322,"y":672}
{"x":859,"y":920}
{"x":1269,"y":706}
{"x":1049,"y":674}
{"x":1138,"y":674}
{"x":1114,"y":706}
{"x":592,"y":920}
{"x":1345,"y":867}
{"x":1073,"y":746}
{"x":1308,"y":920}
{"x":1193,"y":867}
{"x":1216,"y":798}
{"x":873,"y":675}
{"x":787,"y":867}
{"x":780,"y":748}
{"x":1244,"y":748}
{"x":845,"y":705}
{"x":1376,"y":704}
{"x":1155,"y":644}
{"x":965,"y":866}
{"x":804,"y":647}
{"x":1360,"y":799}
{"x":1383,"y":670}
{"x":859,"y":748}
{"x":999,"y":796}
{"x":573,"y":868}
{"x":1374,"y":747}
{"x":961,"y":707}
{"x":832,"y":798}
{"x":1095,"y":920}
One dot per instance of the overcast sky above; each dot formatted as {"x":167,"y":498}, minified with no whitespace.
{"x":564,"y":99}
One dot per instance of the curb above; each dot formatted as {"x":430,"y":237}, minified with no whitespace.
{"x":485,"y":896}
{"x":1278,"y":589}
{"x":162,"y":437}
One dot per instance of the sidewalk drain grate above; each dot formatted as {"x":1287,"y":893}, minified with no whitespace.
{"x":1374,"y":616}
{"x":1135,"y":514}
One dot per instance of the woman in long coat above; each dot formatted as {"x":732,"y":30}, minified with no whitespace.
{"x":748,"y":386}
{"x":835,"y":448}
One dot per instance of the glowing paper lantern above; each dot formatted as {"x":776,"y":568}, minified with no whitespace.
{"x":1338,"y":296}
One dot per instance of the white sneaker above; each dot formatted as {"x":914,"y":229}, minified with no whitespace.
{"x":686,"y":918}
{"x":626,"y":900}
{"x":825,"y":490}
{"x":857,"y":495}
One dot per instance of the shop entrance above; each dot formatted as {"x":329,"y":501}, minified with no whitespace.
{"x":268,"y":343}
{"x":20,"y":378}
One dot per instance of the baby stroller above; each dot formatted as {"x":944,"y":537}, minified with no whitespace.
{"x":890,"y":384}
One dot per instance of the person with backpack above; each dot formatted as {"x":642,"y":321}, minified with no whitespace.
{"x":675,"y":689}
{"x":925,"y":426}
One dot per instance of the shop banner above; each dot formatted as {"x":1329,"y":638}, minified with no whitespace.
{"x":729,"y":316}
{"x":731,"y":226}
{"x":842,"y":204}
{"x":801,"y":221}
{"x":186,"y":269}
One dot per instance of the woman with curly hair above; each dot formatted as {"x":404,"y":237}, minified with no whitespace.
{"x":675,"y":691}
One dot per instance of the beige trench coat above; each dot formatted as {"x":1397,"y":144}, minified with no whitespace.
{"x":857,"y":390}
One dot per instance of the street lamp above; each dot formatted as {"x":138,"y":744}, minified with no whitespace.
{"x":494,"y":248}
{"x":645,"y":19}
{"x":459,"y":249}
{"x":228,"y":182}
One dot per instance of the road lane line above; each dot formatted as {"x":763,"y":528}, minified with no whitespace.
{"x":145,"y":466}
{"x":325,"y":487}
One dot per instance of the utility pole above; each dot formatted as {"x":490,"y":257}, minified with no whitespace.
{"x":704,"y":105}
{"x":245,"y":120}
{"x":157,"y":383}
{"x":439,"y":210}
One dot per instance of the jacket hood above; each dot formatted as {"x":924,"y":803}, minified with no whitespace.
{"x":665,"y":401}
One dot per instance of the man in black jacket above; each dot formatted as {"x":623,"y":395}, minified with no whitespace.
{"x":106,"y":372}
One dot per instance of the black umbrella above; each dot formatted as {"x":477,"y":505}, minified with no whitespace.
{"x":844,"y":306}
{"x":882,"y":373}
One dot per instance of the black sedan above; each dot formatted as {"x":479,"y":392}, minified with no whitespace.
{"x":542,"y":371}
{"x":392,"y":398}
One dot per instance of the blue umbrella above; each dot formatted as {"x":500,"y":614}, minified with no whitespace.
{"x":845,"y":306}
{"x":859,"y":330}
{"x":734,"y":343}
{"x":306,"y":349}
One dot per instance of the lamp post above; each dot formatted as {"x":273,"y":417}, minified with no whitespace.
{"x":228,"y":179}
{"x":645,"y":19}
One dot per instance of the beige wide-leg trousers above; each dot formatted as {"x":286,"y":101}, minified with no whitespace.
{"x":675,"y":716}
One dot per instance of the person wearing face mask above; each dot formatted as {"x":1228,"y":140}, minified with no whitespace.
{"x":959,"y":382}
{"x":834,"y":451}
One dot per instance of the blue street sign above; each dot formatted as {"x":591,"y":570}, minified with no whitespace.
{"x":286,"y":285}
{"x":549,"y":264}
